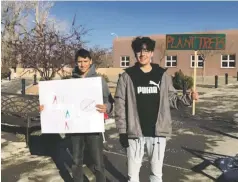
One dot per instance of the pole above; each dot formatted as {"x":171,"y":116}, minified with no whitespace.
{"x":9,"y":74}
{"x":34,"y":80}
{"x":23,"y":83}
{"x":194,"y":79}
{"x":216,"y":81}
{"x":226,"y":78}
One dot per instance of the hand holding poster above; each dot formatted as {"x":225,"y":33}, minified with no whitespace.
{"x":70,"y":105}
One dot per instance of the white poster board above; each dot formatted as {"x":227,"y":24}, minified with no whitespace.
{"x":70,"y":105}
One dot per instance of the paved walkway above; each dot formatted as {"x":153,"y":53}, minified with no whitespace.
{"x":196,"y":142}
{"x":14,"y":85}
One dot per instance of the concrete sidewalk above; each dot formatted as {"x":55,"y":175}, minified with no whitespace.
{"x":15,"y":85}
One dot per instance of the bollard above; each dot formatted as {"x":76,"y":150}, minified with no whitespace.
{"x":9,"y":75}
{"x":23,"y":84}
{"x":216,"y":81}
{"x":34,"y":80}
{"x":226,"y":78}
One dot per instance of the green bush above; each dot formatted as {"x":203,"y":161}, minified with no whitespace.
{"x":189,"y":81}
{"x":179,"y":78}
{"x":5,"y":71}
{"x":104,"y":76}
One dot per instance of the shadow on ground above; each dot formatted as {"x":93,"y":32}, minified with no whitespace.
{"x":59,"y":150}
{"x":218,"y":108}
{"x":218,"y":105}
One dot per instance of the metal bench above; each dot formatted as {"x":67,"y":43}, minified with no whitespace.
{"x":20,"y":111}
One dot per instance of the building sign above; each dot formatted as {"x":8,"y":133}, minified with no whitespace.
{"x":195,"y":42}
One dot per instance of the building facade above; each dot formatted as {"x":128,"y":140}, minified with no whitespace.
{"x":216,"y":62}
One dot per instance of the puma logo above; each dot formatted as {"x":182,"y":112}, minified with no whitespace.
{"x":149,"y":90}
{"x":153,"y":83}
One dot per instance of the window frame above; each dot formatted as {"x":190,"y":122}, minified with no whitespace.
{"x":228,"y":60}
{"x":171,"y":61}
{"x":191,"y":61}
{"x":125,"y":61}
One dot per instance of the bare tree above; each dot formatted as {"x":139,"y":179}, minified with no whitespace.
{"x":99,"y":56}
{"x":206,"y":54}
{"x":14,"y":14}
{"x":44,"y":48}
{"x":41,"y":11}
{"x":109,"y":59}
{"x":161,"y":47}
{"x":47,"y":51}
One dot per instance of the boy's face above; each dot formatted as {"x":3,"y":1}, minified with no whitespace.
{"x":84,"y":64}
{"x":144,"y":55}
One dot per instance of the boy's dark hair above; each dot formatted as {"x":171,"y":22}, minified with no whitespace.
{"x":82,"y":53}
{"x":138,"y":42}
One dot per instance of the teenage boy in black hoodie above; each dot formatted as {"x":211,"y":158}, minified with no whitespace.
{"x":143,"y":99}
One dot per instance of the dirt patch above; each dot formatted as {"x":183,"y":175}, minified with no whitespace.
{"x":33,"y":90}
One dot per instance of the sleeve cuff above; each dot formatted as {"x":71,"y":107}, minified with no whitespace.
{"x":122,"y":131}
{"x":109,"y":108}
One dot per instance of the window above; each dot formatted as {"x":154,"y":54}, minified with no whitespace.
{"x":199,"y":61}
{"x":125,"y":61}
{"x":170,"y":61}
{"x":228,"y":61}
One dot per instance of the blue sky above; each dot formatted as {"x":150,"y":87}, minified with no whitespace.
{"x":130,"y":18}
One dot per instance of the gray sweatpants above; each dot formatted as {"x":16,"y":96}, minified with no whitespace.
{"x":155,"y":150}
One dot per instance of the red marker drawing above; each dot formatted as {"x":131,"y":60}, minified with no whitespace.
{"x":55,"y":100}
{"x":66,"y":125}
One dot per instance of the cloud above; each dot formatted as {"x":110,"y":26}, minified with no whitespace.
{"x":63,"y":26}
